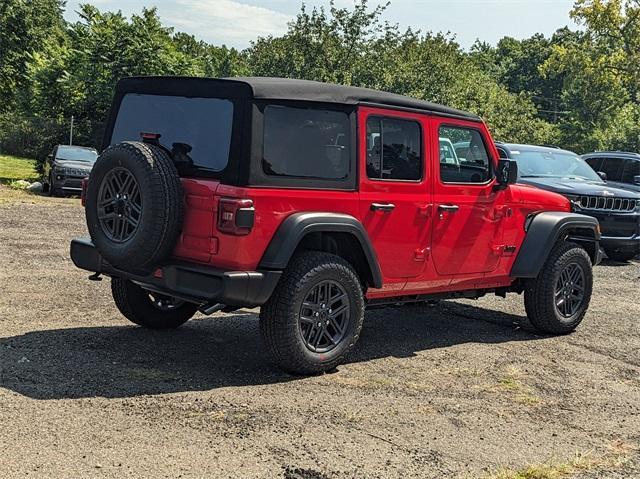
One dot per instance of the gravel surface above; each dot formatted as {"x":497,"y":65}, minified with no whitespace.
{"x":459,"y":389}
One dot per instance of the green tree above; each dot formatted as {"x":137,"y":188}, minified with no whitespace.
{"x":26,"y":28}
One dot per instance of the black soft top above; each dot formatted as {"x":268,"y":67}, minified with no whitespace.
{"x":264,"y":88}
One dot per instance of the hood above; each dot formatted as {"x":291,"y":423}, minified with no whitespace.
{"x":573,"y":187}
{"x":79,"y":165}
{"x":624,"y":186}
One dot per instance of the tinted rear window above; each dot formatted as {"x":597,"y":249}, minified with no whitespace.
{"x":306,"y":143}
{"x":198,"y":130}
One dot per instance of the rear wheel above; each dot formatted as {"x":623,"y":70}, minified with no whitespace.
{"x":314,"y":317}
{"x":622,"y":256}
{"x":149,"y":309}
{"x":557,"y":300}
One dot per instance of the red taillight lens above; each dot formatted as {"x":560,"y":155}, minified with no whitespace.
{"x":235,"y":216}
{"x":83,"y":195}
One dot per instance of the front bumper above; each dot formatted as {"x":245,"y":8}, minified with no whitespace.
{"x":621,"y":244}
{"x":198,"y":284}
{"x":619,"y":231}
{"x":68,"y":184}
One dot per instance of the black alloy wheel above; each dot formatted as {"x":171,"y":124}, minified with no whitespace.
{"x":557,"y":300}
{"x":119,"y":205}
{"x":324,"y":316}
{"x":569,"y":292}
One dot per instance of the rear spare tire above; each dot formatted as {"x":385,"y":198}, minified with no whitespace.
{"x":134,"y":205}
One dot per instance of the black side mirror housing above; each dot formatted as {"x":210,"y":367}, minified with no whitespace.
{"x":507,"y":173}
{"x":602,"y":175}
{"x":636,"y":180}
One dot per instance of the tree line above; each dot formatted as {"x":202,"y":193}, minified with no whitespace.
{"x":579,"y":89}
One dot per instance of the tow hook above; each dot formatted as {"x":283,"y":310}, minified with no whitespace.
{"x":95,"y":277}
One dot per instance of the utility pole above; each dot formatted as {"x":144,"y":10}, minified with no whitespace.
{"x":71,"y":132}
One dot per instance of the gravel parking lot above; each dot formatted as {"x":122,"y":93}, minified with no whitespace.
{"x":460,"y":389}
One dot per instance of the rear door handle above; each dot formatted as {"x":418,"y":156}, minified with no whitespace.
{"x":386,"y":207}
{"x":450,"y":208}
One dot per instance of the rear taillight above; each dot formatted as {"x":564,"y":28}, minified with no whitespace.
{"x":83,"y":195}
{"x":235,"y":216}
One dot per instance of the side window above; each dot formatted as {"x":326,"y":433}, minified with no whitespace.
{"x":306,"y":143}
{"x":394,"y":149}
{"x":503,"y":154}
{"x":472,"y":160}
{"x":631,"y":170}
{"x":613,"y":168}
{"x":595,"y":163}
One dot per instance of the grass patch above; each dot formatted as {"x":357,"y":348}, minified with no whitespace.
{"x":14,"y":168}
{"x":512,"y":383}
{"x":617,"y":456}
{"x":12,"y":196}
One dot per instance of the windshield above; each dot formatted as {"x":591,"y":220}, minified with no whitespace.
{"x":197,"y":131}
{"x":76,"y":154}
{"x":552,"y":164}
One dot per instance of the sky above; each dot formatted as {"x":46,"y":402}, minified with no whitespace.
{"x":236,"y":22}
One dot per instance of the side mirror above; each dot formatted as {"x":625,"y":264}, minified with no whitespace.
{"x":636,"y":180}
{"x":602,"y":175}
{"x":507,"y":173}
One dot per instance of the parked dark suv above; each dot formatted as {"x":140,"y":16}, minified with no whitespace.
{"x":621,"y":169}
{"x":65,"y":168}
{"x":564,"y":172}
{"x":315,"y":201}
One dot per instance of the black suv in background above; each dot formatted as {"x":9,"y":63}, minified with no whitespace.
{"x":564,"y":172}
{"x":65,"y":168}
{"x":622,"y":169}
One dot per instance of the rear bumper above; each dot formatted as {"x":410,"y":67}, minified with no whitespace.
{"x":190,"y":282}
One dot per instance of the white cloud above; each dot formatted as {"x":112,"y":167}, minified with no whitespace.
{"x":227,"y":22}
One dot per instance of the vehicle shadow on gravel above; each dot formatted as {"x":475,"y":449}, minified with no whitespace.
{"x":127,"y":361}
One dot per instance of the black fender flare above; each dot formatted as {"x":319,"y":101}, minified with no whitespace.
{"x":298,"y":225}
{"x":543,"y":232}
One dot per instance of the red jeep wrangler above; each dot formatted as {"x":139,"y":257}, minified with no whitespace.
{"x":314,"y":202}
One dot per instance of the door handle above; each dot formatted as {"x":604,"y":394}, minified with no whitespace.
{"x":450,"y":208}
{"x":385,"y":207}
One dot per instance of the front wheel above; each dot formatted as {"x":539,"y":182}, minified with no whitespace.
{"x":314,"y":317}
{"x":557,"y":300}
{"x":51,"y":190}
{"x":149,"y":309}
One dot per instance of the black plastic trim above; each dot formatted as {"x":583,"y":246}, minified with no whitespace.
{"x":295,"y":227}
{"x":544,"y":230}
{"x":191,"y":282}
